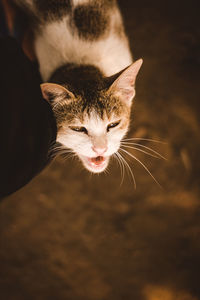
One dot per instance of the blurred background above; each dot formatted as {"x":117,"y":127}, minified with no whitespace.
{"x":72,"y":235}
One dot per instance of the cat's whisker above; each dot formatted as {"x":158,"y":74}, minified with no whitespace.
{"x":56,"y":146}
{"x":52,"y":147}
{"x":129,"y":168}
{"x":121,"y":165}
{"x":145,"y":147}
{"x":143,"y":151}
{"x":60,"y":147}
{"x":143,"y":165}
{"x":62,"y":151}
{"x":65,"y":158}
{"x":145,"y":139}
{"x":106,"y":171}
{"x":59,"y":150}
{"x":54,"y":153}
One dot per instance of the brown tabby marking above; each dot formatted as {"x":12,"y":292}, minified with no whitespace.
{"x":90,"y":21}
{"x":52,"y":10}
{"x":68,"y":111}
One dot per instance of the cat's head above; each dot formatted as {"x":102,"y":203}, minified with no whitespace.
{"x":93,"y":119}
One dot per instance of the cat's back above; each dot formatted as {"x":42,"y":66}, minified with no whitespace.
{"x":80,"y":32}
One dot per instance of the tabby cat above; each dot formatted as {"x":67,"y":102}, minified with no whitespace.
{"x":89,"y":78}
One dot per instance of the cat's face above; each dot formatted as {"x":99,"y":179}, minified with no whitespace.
{"x":94,"y":138}
{"x":93,"y":130}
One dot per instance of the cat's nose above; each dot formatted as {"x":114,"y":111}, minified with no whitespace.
{"x":99,"y":150}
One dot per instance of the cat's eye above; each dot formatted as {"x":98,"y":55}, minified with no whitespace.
{"x":79,"y":129}
{"x":112,"y":125}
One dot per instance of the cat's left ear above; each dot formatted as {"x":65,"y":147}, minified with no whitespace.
{"x":124,"y":86}
{"x":54,"y":93}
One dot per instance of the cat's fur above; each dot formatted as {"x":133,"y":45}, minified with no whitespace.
{"x":82,"y":49}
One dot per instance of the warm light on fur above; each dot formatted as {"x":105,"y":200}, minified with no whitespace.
{"x":81,"y":47}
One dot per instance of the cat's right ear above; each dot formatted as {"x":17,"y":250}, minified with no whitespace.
{"x":124,"y":85}
{"x":54,"y":93}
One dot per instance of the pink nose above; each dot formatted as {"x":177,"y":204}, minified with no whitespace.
{"x":99,"y":151}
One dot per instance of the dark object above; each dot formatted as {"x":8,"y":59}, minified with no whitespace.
{"x":27,"y":125}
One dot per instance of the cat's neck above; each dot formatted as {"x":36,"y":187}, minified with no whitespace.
{"x":55,"y":40}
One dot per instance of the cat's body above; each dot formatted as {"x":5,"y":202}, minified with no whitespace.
{"x":80,"y":32}
{"x":80,"y":45}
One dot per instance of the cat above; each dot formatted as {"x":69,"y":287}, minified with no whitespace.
{"x":88,"y":73}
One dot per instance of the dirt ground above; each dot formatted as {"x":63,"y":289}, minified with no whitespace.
{"x":75,"y":236}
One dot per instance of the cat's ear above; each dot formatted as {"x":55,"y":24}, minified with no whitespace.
{"x":54,"y":93}
{"x":124,"y":85}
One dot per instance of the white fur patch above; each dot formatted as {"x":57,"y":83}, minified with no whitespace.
{"x":56,"y":45}
{"x":80,"y":2}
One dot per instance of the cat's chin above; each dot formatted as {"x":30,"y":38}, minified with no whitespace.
{"x":95,"y":164}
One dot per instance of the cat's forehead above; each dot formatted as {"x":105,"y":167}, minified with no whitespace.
{"x":93,"y":120}
{"x":108,"y":105}
{"x":98,"y":112}
{"x":101,"y":105}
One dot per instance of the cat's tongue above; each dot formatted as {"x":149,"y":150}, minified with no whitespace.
{"x":97,"y":160}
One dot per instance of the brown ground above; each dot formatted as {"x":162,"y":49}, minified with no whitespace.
{"x":69,"y":235}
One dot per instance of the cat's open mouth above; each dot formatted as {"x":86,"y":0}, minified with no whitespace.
{"x":95,"y":164}
{"x":97,"y":161}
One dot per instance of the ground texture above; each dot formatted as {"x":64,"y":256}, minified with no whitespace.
{"x":70,"y":235}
